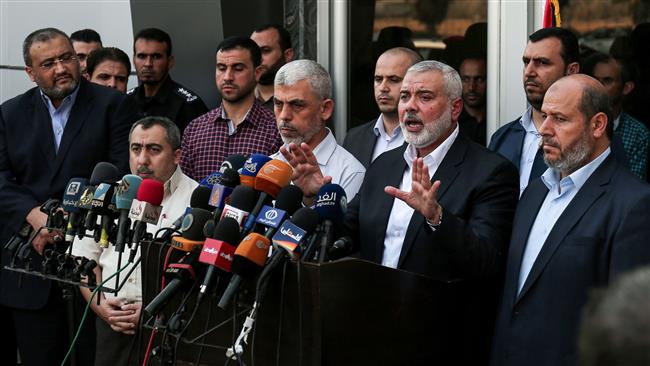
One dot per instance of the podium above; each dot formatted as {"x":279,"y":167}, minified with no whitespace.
{"x":348,"y":312}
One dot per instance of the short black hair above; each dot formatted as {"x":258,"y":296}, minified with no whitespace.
{"x":98,"y":56}
{"x":40,"y":35}
{"x":86,"y":35}
{"x":244,"y":42}
{"x":171,"y":129}
{"x":154,"y":34}
{"x":285,"y":37}
{"x":628,"y":72}
{"x":570,"y":49}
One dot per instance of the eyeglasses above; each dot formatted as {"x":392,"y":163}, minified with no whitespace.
{"x":64,"y":60}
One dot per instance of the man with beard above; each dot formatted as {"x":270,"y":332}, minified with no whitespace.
{"x":550,"y":54}
{"x":578,"y":227}
{"x":440,"y":206}
{"x":368,"y":141}
{"x":158,"y":94}
{"x":617,"y":77}
{"x":56,"y":131}
{"x":275,"y":43}
{"x":240,"y":125}
{"x":303,"y":104}
{"x":473,"y":72}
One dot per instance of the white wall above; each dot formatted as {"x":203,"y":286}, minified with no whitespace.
{"x":111,"y":19}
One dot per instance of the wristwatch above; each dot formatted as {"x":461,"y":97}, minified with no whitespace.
{"x":432,"y":225}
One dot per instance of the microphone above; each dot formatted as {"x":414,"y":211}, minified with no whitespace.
{"x":218,"y":251}
{"x":145,"y":208}
{"x":192,"y":230}
{"x":211,"y":180}
{"x":104,"y":207}
{"x":124,"y":195}
{"x":331,"y":204}
{"x":251,"y":167}
{"x":242,"y":201}
{"x":102,"y":173}
{"x":73,"y":192}
{"x":289,"y":200}
{"x":234,"y":162}
{"x":221,"y":192}
{"x":199,"y":199}
{"x":273,"y":176}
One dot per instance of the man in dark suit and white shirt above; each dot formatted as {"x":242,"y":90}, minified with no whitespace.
{"x":371,"y":139}
{"x":440,"y":206}
{"x":53,"y":132}
{"x":579,"y":226}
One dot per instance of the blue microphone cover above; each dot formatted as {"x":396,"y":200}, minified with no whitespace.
{"x":211,"y":180}
{"x":126,"y":191}
{"x":72,"y":194}
{"x":251,"y":168}
{"x":331,"y":202}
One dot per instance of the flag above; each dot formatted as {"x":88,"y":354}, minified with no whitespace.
{"x":552,"y":14}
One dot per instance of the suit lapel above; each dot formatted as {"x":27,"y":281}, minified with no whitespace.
{"x":368,"y":143}
{"x":43,"y":122}
{"x":593,"y":188}
{"x":512,"y":150}
{"x":446,"y":174}
{"x":384,"y":201}
{"x":78,"y":116}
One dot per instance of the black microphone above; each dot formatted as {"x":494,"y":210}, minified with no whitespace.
{"x":199,"y":199}
{"x":103,"y":172}
{"x":331,"y":204}
{"x":242,"y":201}
{"x":234,"y":162}
{"x":73,"y":193}
{"x":222,"y":190}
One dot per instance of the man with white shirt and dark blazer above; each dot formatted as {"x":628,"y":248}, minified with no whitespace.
{"x":578,"y":227}
{"x":440,"y":206}
{"x":371,"y":139}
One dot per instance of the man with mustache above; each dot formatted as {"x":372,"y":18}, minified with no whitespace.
{"x":54,"y":132}
{"x":550,"y":54}
{"x":578,"y":227}
{"x":109,"y":66}
{"x":368,"y":141}
{"x":473,"y":72}
{"x":240,"y":125}
{"x":303,"y":104}
{"x":275,"y":44}
{"x":158,"y":94}
{"x":154,"y":153}
{"x":440,"y":206}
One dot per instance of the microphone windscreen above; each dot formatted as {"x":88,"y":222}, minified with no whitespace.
{"x":274,"y":175}
{"x":331,"y":202}
{"x":230,"y":178}
{"x":251,"y":168}
{"x":211,"y":180}
{"x":151,"y":191}
{"x":234,"y":162}
{"x":200,"y":198}
{"x":227,"y":230}
{"x":251,"y":254}
{"x":72,"y":194}
{"x":126,"y":191}
{"x":243,"y":198}
{"x":104,"y":172}
{"x":306,"y":219}
{"x":289,"y":199}
{"x":193,"y":223}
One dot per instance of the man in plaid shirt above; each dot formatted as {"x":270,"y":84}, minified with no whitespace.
{"x":617,"y":77}
{"x":240,"y":125}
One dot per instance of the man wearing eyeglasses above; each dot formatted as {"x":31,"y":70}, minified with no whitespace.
{"x":56,"y":131}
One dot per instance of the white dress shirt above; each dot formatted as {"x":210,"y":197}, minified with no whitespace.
{"x":529,"y":150}
{"x":384,"y":141}
{"x":401,"y":213}
{"x":338,"y":163}
{"x":177,"y":194}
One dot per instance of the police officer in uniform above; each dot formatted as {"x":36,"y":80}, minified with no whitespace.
{"x":158,"y":94}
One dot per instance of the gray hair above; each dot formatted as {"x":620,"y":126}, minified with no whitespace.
{"x":453,"y":84}
{"x":40,"y":35}
{"x":595,"y":100}
{"x":318,"y":78}
{"x":172,"y":131}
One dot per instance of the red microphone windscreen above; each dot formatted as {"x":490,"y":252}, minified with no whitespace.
{"x":151,"y":191}
{"x":273,"y":176}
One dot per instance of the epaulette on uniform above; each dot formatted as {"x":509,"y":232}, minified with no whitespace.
{"x":188,"y":95}
{"x":130,"y":91}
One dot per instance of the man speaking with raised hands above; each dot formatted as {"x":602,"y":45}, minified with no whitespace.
{"x":455,"y":201}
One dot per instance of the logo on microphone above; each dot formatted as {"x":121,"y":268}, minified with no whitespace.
{"x":250,"y":166}
{"x":269,"y":169}
{"x":226,"y":256}
{"x":271,"y":214}
{"x":210,"y":250}
{"x":73,"y":188}
{"x":287,"y":231}
{"x":188,"y":220}
{"x":225,"y":165}
{"x":123,"y":187}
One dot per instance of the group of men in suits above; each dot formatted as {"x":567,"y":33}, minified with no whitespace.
{"x":439,"y":205}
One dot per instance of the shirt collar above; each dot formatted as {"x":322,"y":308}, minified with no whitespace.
{"x":616,"y":121}
{"x":379,"y":129}
{"x":68,"y":100}
{"x":434,"y":158}
{"x":551,"y":177}
{"x":223,"y":116}
{"x":173,"y":182}
{"x":527,"y":123}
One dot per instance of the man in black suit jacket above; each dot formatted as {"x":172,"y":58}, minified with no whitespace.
{"x":51,"y":133}
{"x":456,"y":199}
{"x":582,"y":224}
{"x":368,"y":141}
